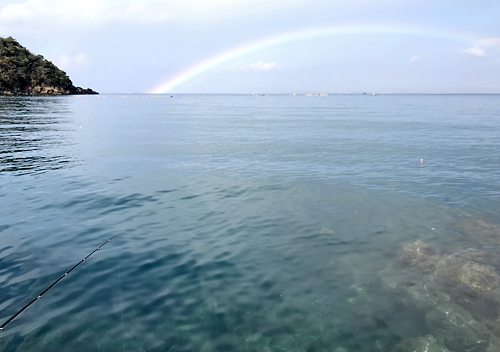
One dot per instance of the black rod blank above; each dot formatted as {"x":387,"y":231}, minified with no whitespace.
{"x":53,"y":284}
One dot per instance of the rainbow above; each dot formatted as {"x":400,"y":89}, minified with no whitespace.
{"x":172,"y":83}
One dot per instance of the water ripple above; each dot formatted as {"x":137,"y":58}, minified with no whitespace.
{"x":243,"y":224}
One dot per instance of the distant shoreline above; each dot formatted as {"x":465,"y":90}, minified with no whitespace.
{"x":309,"y":95}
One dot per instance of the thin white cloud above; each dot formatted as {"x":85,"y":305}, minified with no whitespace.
{"x":88,"y":12}
{"x":489,"y":42}
{"x":261,"y":66}
{"x":415,"y":58}
{"x":146,"y":13}
{"x":67,"y":62}
{"x":33,"y":13}
{"x":475,"y":51}
{"x":479,"y":49}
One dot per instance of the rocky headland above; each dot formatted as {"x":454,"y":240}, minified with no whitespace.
{"x":24,"y":73}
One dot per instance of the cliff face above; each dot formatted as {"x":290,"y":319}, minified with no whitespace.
{"x":23,"y":73}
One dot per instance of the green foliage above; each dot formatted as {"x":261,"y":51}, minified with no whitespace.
{"x":22,"y":72}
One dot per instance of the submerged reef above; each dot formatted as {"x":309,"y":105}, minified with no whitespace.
{"x":481,"y":230}
{"x":420,"y":344}
{"x":481,"y":278}
{"x":461,"y":332}
{"x":24,"y":73}
{"x":460,"y":269}
{"x":457,"y":295}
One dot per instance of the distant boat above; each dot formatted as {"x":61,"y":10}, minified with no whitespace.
{"x":374,"y":94}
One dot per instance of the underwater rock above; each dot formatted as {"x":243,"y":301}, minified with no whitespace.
{"x":425,"y":296}
{"x":481,"y":230}
{"x":341,"y":349}
{"x":327,"y":231}
{"x":494,"y":295}
{"x":459,"y":329}
{"x":420,"y":344}
{"x":395,"y":277}
{"x":494,"y":344}
{"x":414,"y":289}
{"x":440,"y":283}
{"x":458,"y":269}
{"x":484,"y":307}
{"x":494,"y":327}
{"x":449,"y":268}
{"x":474,"y":254}
{"x":421,"y":255}
{"x":254,"y":338}
{"x":481,"y":278}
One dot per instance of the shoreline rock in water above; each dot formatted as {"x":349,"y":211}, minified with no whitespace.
{"x":420,"y":344}
{"x":24,"y":73}
{"x":458,"y":296}
{"x":481,"y":278}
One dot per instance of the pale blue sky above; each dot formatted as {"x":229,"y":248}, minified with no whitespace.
{"x":135,"y":46}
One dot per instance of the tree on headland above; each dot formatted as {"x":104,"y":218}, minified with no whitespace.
{"x":24,"y":73}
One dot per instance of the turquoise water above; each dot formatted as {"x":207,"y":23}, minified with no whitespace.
{"x":244,"y":223}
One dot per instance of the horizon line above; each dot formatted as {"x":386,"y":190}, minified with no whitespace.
{"x":314,"y":93}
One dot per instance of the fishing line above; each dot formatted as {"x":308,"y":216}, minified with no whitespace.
{"x":53,"y":284}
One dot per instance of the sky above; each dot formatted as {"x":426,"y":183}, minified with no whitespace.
{"x":264,"y":46}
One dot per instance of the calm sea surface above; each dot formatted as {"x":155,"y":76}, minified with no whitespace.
{"x":269,"y":223}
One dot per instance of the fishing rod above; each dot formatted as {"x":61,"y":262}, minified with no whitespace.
{"x":53,"y":284}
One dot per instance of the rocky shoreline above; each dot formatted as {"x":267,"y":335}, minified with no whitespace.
{"x":457,"y":295}
{"x":23,"y":73}
{"x":50,"y":91}
{"x":454,"y":297}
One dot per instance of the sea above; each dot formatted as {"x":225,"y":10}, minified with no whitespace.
{"x":248,"y":223}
